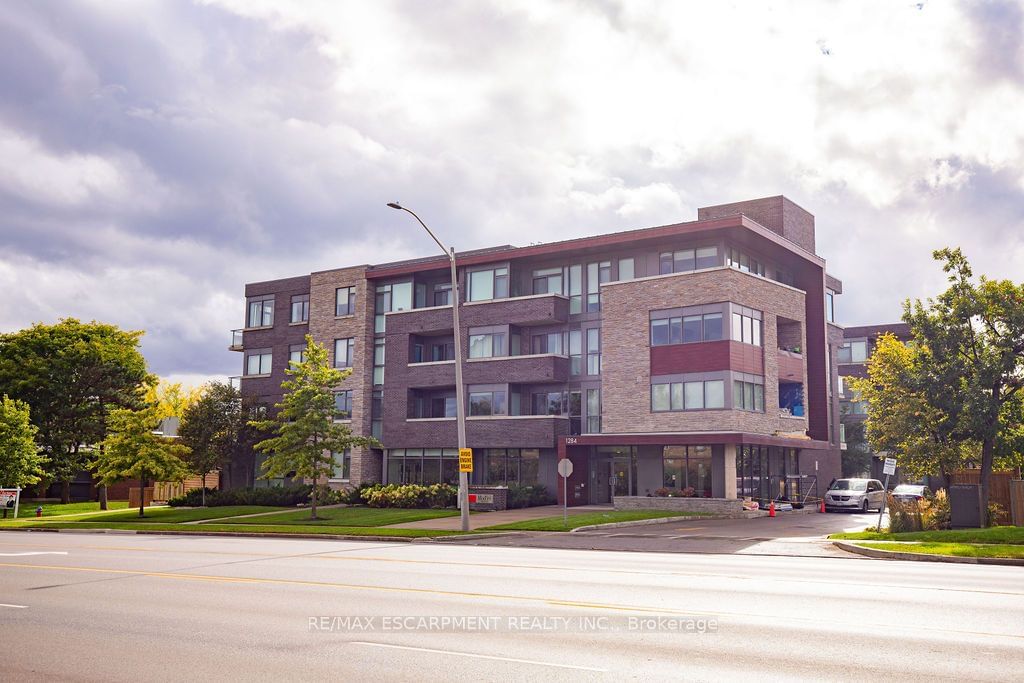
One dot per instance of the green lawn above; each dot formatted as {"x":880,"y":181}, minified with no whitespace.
{"x":996,"y":534}
{"x":586,"y":519}
{"x":283,"y":530}
{"x":955,"y":549}
{"x":348,"y":517}
{"x":166,"y":515}
{"x":28,"y":508}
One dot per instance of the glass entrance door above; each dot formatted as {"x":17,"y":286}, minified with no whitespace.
{"x":600,"y":480}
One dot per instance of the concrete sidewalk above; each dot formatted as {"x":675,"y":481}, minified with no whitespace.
{"x":481,"y":519}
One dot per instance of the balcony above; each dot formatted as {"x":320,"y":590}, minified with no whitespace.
{"x":235,"y":382}
{"x":236,"y":341}
{"x":538,"y":368}
{"x":524,"y":311}
{"x":791,"y":366}
{"x":510,"y":431}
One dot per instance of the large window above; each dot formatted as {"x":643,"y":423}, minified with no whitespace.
{"x":296,"y":354}
{"x":434,"y":405}
{"x":505,"y":466}
{"x":343,"y":404}
{"x":433,"y":351}
{"x":746,"y":327}
{"x":342,"y":465}
{"x":344,"y":301}
{"x":853,"y":352}
{"x":547,"y":281}
{"x":687,"y":467}
{"x":546,"y":343}
{"x":261,"y":312}
{"x":686,"y":329}
{"x":377,"y":413}
{"x":485,"y":285}
{"x":551,"y":403}
{"x":686,"y":260}
{"x":593,"y":411}
{"x":393,"y":297}
{"x":344,"y":350}
{"x":300,"y":308}
{"x":752,"y":473}
{"x":830,"y":305}
{"x":258,"y":362}
{"x":575,"y":352}
{"x":748,"y":395}
{"x":742,"y":261}
{"x":697,"y":395}
{"x":597,"y":274}
{"x":488,"y":402}
{"x":443,"y":294}
{"x":594,"y":351}
{"x":378,"y":361}
{"x":423,"y":466}
{"x":626,"y":270}
{"x":487,"y":344}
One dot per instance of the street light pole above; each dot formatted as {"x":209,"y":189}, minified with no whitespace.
{"x":460,"y":388}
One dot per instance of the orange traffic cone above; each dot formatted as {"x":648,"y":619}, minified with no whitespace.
{"x":771,"y":509}
{"x":822,"y":509}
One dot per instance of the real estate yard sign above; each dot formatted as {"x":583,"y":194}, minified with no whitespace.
{"x":9,"y":499}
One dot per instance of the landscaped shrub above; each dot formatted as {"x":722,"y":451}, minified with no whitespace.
{"x":410,"y":496}
{"x":280,"y":496}
{"x":904,"y":516}
{"x":528,"y":496}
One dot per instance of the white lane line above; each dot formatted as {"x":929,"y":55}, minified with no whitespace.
{"x":476,"y":656}
{"x":43,"y":552}
{"x":2,"y":604}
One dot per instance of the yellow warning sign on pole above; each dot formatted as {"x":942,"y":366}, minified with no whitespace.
{"x":465,"y":460}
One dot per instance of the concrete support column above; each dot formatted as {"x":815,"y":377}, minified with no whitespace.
{"x":729,"y":473}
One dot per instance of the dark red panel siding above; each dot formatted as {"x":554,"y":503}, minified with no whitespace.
{"x":791,"y":369}
{"x":706,"y":357}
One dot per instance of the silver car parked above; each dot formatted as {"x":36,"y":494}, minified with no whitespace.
{"x":855,"y":494}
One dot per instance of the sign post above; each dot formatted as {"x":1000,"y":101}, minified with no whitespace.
{"x":465,"y":467}
{"x":565,"y":469}
{"x":888,"y":470}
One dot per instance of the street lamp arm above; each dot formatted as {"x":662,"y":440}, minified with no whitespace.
{"x":396,"y":205}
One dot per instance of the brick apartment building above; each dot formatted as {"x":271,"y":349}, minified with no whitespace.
{"x":697,"y":355}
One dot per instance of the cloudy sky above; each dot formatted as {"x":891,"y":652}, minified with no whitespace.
{"x":155,"y":156}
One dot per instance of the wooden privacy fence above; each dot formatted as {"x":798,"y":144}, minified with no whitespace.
{"x":999,"y":487}
{"x":1017,"y":502}
{"x":165,"y":490}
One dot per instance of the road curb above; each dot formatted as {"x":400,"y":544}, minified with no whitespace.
{"x":879,"y":554}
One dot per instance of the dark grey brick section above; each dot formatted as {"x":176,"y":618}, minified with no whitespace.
{"x":532,"y":369}
{"x":494,"y":432}
{"x":725,"y":506}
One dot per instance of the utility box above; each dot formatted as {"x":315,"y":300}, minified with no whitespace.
{"x":965,"y":510}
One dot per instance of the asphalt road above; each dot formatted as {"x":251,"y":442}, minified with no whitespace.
{"x":154,"y":608}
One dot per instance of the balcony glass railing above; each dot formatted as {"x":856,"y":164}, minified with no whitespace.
{"x":235,"y":382}
{"x":236,"y":339}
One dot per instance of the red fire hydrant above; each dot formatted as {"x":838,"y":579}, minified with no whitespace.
{"x":39,"y":511}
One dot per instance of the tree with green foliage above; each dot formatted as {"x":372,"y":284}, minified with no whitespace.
{"x":971,"y":344}
{"x":133,"y":450}
{"x":307,"y":436}
{"x":857,"y":456}
{"x":72,"y":374}
{"x":905,"y":416}
{"x":20,"y":461}
{"x":212,"y":427}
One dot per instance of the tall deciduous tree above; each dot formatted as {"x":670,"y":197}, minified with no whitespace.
{"x":72,"y":374}
{"x":971,"y":338}
{"x":20,"y":461}
{"x":133,"y":450}
{"x":307,"y":435}
{"x":905,"y":417}
{"x":211,"y":427}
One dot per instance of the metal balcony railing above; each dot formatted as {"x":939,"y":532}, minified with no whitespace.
{"x":235,"y":382}
{"x":236,"y":341}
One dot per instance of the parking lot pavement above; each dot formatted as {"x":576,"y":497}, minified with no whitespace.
{"x":791,"y":533}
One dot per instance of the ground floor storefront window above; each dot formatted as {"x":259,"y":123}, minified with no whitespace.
{"x":764,"y":473}
{"x":423,"y":466}
{"x":687,"y":470}
{"x":506,"y":466}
